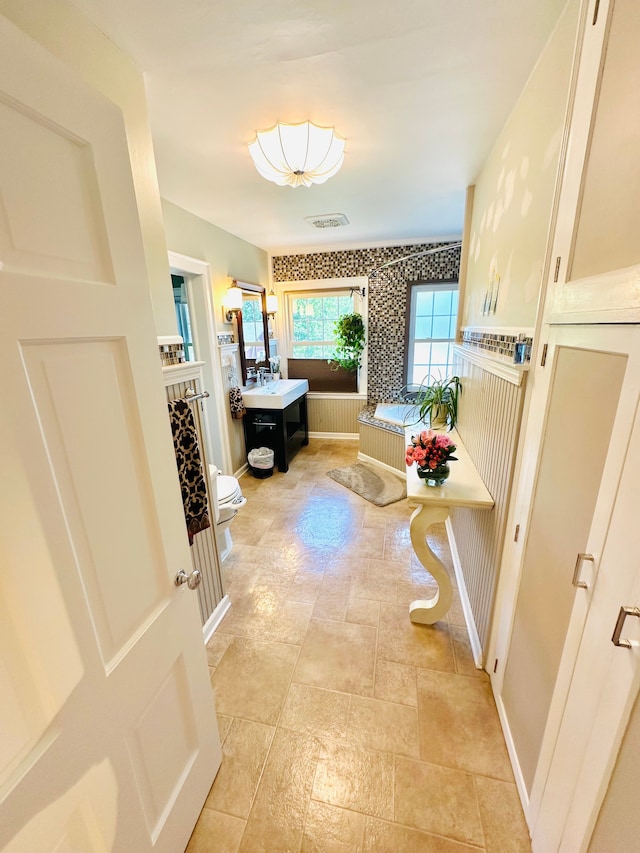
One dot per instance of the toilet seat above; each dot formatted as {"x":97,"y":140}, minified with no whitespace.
{"x":228,"y":500}
{"x":227,"y":488}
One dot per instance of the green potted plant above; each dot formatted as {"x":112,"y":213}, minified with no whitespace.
{"x":438,"y":401}
{"x":350,"y":342}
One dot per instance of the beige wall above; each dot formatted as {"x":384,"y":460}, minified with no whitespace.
{"x":68,"y":34}
{"x":514,"y":191}
{"x":227,"y":256}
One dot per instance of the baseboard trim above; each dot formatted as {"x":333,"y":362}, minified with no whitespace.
{"x":352,"y":436}
{"x":474,"y":639}
{"x":209,"y":627}
{"x":513,"y":757}
{"x":370,"y":460}
{"x":241,"y":470}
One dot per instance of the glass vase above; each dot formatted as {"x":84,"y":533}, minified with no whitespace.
{"x":434,"y":476}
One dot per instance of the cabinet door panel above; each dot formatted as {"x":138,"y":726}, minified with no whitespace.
{"x":569,"y":477}
{"x":606,"y":236}
{"x":596,"y":251}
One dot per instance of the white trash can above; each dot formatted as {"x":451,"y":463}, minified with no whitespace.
{"x":261,"y":462}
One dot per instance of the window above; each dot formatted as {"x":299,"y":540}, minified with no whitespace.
{"x":312,"y":320}
{"x":432,"y":331}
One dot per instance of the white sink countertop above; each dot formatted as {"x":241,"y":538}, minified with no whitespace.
{"x":275,"y":395}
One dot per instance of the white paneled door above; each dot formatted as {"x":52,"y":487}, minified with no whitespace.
{"x":108,"y":738}
{"x":606,"y":675}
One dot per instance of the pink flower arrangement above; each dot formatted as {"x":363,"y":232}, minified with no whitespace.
{"x":430,"y":450}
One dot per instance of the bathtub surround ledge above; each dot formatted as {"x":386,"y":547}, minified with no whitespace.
{"x":398,"y":414}
{"x":380,"y":442}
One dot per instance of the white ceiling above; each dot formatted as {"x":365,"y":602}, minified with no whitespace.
{"x":420,"y":89}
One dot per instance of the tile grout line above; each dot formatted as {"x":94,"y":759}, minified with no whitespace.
{"x":482,"y":828}
{"x":393,"y":788}
{"x":375,"y":659}
{"x":425,"y":832}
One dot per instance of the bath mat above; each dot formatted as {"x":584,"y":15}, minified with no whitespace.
{"x":373,"y":484}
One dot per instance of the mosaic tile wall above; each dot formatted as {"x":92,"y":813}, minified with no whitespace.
{"x":497,"y":344}
{"x":387,"y":294}
{"x":171,"y":354}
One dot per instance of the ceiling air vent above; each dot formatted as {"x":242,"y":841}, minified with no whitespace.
{"x":327,"y":220}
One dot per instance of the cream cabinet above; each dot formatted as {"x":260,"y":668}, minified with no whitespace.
{"x":596,"y":245}
{"x":564,"y":691}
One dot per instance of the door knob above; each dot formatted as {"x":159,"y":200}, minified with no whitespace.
{"x":192,"y":580}
{"x":622,"y":615}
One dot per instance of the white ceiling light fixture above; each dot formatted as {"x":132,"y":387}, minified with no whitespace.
{"x":297,"y":154}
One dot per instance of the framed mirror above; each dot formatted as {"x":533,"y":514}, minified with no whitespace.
{"x":253,"y":327}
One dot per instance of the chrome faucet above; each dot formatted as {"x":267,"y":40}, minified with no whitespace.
{"x":262,"y":375}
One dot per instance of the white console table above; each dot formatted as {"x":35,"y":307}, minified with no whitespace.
{"x":463,"y":488}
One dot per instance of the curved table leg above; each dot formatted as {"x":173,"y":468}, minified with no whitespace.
{"x":428,"y":611}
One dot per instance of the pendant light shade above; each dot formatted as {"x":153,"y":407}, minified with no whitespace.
{"x":297,"y":154}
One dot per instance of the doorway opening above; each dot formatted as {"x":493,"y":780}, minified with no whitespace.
{"x":194,"y":279}
{"x":183,"y":314}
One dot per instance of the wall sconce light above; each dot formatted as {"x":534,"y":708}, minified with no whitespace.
{"x":232,"y":302}
{"x":272,"y":303}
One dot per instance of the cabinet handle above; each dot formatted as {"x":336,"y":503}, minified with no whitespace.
{"x":580,"y":584}
{"x":622,"y":615}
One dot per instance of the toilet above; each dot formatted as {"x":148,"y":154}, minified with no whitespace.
{"x":229,"y":499}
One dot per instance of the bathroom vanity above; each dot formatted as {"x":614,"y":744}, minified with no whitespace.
{"x":277,"y":418}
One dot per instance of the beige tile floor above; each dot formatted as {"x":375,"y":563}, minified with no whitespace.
{"x":346,"y":728}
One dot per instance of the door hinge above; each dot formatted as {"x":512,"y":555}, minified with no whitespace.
{"x":495,"y":666}
{"x":543,"y":360}
{"x":517,"y":533}
{"x":596,"y":9}
{"x":557,"y":272}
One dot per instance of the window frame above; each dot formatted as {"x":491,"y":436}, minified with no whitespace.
{"x":318,"y":294}
{"x":317,"y":287}
{"x":409,"y":340}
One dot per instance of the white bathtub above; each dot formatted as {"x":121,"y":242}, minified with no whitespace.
{"x":399,"y":414}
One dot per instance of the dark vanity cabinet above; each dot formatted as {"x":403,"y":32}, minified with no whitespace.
{"x":282,"y":430}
